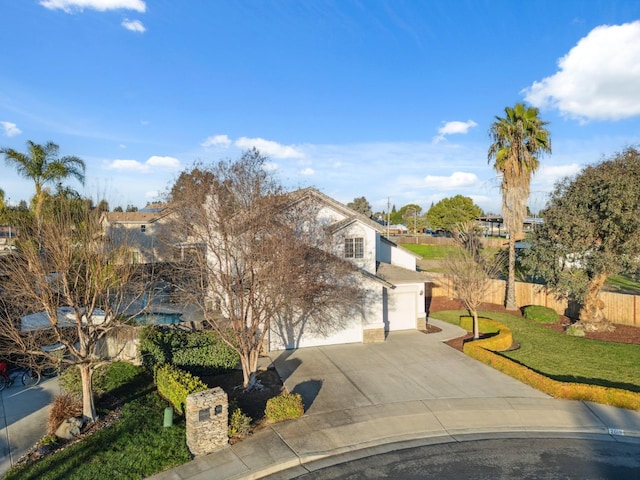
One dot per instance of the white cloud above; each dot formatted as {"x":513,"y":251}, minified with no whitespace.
{"x":127,"y":165}
{"x":270,"y":166}
{"x":163,"y":162}
{"x":216,"y":140}
{"x":151,"y":194}
{"x":70,"y":6}
{"x":10,"y":129}
{"x":269,"y":148}
{"x":307,"y":172}
{"x":598,"y":79}
{"x":133,"y":25}
{"x":548,"y":175}
{"x":455,"y":180}
{"x":452,"y":128}
{"x":153,"y":163}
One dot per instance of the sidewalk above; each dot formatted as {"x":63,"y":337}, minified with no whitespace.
{"x":409,"y":391}
{"x":23,"y":419}
{"x":317,"y":441}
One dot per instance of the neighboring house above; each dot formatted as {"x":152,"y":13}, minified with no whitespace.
{"x":394,"y":289}
{"x":146,"y":232}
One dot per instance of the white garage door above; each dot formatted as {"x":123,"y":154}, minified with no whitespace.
{"x":402,"y":309}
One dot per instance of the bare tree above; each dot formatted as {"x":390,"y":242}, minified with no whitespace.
{"x":260,"y":258}
{"x":471,"y":269}
{"x":65,"y":285}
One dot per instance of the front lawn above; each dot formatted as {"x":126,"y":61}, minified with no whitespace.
{"x":562,"y":357}
{"x":136,"y":446}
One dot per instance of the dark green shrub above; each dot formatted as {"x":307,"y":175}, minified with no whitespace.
{"x":196,"y":352}
{"x":540,"y":314}
{"x":106,"y":378}
{"x":175,"y":385}
{"x":285,"y":406}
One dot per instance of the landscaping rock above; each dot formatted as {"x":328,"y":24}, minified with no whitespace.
{"x":69,"y":428}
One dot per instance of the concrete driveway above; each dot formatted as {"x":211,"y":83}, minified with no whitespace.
{"x":408,"y":366}
{"x":410,"y":391}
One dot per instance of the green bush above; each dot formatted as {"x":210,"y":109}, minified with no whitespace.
{"x":175,"y":385}
{"x":196,"y":352}
{"x":575,"y":331}
{"x":104,"y":379}
{"x":285,"y":406}
{"x":540,"y":314}
{"x":239,"y":422}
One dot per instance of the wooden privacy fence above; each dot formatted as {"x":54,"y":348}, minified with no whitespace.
{"x":618,"y":307}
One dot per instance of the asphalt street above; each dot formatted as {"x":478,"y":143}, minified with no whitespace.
{"x":546,"y":458}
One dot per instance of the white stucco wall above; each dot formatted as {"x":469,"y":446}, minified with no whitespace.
{"x":403,"y":258}
{"x":359,"y":230}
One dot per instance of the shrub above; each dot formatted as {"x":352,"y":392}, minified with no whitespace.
{"x":540,"y":314}
{"x":63,"y":406}
{"x":285,"y":406}
{"x":497,"y":343}
{"x":239,"y":423}
{"x":176,"y":385}
{"x":104,"y":379}
{"x":196,"y":352}
{"x":574,"y":331}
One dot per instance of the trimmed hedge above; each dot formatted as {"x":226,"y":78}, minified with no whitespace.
{"x":497,"y":343}
{"x":540,"y":314}
{"x":175,"y":385}
{"x":196,"y":352}
{"x":482,"y":350}
{"x":285,"y":406}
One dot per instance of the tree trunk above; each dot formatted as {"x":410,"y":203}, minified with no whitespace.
{"x":591,"y":314}
{"x":249,"y":363}
{"x":510,"y":300}
{"x":88,"y":407}
{"x":476,"y":325}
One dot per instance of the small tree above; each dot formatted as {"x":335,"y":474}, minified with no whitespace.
{"x":362,"y":206}
{"x":470,"y":269}
{"x":591,"y":230}
{"x":64,"y":261}
{"x":259,"y":257}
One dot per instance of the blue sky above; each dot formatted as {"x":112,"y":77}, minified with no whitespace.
{"x":357,"y":98}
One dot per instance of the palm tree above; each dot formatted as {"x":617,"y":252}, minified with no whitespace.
{"x":42,"y":165}
{"x":518,"y":140}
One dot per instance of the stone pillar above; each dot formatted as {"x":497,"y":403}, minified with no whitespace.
{"x":207,"y":421}
{"x":373,"y":333}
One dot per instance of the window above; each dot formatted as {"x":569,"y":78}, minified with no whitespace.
{"x":143,"y":228}
{"x":354,"y":247}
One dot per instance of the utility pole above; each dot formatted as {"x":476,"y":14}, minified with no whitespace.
{"x":388,"y":214}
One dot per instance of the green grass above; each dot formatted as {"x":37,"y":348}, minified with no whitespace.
{"x":565,"y":358}
{"x":135,"y":447}
{"x":430,"y":252}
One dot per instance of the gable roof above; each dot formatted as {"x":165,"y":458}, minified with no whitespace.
{"x":141,"y":216}
{"x":351,"y":215}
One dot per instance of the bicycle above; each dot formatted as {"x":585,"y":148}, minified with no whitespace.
{"x":8,"y":376}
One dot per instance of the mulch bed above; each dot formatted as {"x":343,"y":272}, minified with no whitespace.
{"x":621,"y":334}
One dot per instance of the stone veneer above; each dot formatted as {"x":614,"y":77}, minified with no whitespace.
{"x":373,"y":335}
{"x":207,"y":421}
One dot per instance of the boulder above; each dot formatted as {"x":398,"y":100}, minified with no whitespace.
{"x":69,"y":428}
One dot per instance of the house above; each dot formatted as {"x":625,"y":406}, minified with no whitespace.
{"x":145,"y":231}
{"x":394,"y":289}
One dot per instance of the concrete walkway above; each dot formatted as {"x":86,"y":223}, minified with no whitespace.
{"x":409,"y":391}
{"x":23,"y":419}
